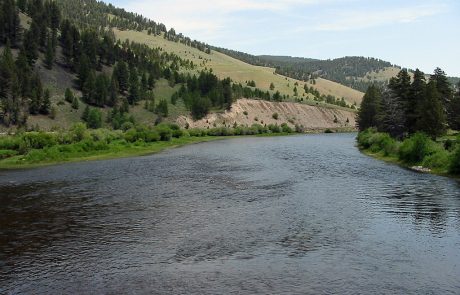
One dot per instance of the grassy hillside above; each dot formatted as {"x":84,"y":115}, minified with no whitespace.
{"x":239,"y":71}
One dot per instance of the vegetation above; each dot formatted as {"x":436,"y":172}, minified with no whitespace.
{"x":32,"y":148}
{"x":405,"y":120}
{"x":416,"y":150}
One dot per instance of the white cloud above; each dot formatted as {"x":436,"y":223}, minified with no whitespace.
{"x":352,"y":20}
{"x":205,"y":19}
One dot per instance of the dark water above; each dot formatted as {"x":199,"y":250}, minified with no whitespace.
{"x":283,"y":215}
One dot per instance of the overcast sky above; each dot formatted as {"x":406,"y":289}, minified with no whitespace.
{"x":409,"y":33}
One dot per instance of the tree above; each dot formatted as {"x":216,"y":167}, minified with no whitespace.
{"x":431,"y":116}
{"x":272,"y":86}
{"x":200,"y":107}
{"x":46,"y":103}
{"x":455,"y":110}
{"x":121,"y":74}
{"x":390,"y":116}
{"x":162,"y":108}
{"x":49,"y":54}
{"x":68,"y":96}
{"x":370,"y":107}
{"x":417,"y":94}
{"x":101,"y":90}
{"x":445,"y":92}
{"x":84,"y":70}
{"x":94,"y":120}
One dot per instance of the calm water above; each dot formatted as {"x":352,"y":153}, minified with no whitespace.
{"x":283,"y":215}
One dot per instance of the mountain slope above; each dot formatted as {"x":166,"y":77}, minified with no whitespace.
{"x":239,"y":71}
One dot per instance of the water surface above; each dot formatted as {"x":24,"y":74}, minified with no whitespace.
{"x":284,"y":215}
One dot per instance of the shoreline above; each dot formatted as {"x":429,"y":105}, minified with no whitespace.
{"x":395,"y":161}
{"x":12,"y":163}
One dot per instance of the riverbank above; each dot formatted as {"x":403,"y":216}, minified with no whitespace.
{"x":417,"y":153}
{"x":36,"y":149}
{"x":114,"y":151}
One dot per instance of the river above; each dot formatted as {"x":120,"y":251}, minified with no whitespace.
{"x":304,"y":214}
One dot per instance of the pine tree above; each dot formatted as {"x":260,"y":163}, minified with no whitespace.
{"x":84,"y":70}
{"x":417,"y":94}
{"x":445,"y":91}
{"x":455,"y":110}
{"x":370,"y":106}
{"x":391,"y":118}
{"x":85,"y":114}
{"x":89,"y":88}
{"x":431,"y":116}
{"x":46,"y":103}
{"x":49,"y":54}
{"x":68,"y":96}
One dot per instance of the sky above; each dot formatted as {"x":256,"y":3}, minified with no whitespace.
{"x":422,"y":34}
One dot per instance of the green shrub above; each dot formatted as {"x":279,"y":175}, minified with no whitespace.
{"x":7,"y":154}
{"x":274,"y":128}
{"x":364,"y":138}
{"x":382,"y":142}
{"x":164,"y":131}
{"x":79,"y":132}
{"x":285,"y":128}
{"x":9,"y":142}
{"x":36,"y":140}
{"x":439,"y":159}
{"x":454,"y":166}
{"x":275,"y":116}
{"x":415,"y":148}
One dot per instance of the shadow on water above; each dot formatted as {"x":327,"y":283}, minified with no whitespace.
{"x":424,"y":203}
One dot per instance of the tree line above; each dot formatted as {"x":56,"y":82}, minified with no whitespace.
{"x":407,"y":106}
{"x":99,"y":15}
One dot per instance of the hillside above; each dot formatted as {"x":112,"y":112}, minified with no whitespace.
{"x":241,"y":72}
{"x":164,"y":75}
{"x":248,"y":112}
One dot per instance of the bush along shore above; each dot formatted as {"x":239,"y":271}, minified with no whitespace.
{"x":33,"y":149}
{"x":418,"y":152}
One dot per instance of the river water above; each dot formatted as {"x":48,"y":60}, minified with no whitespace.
{"x":282,"y":215}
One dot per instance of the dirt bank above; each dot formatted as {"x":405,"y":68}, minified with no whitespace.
{"x":249,"y":111}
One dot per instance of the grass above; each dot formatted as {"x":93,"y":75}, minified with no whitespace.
{"x":224,"y":66}
{"x":418,"y":150}
{"x":115,"y":150}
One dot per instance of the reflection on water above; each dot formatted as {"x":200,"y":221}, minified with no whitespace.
{"x":295,"y":215}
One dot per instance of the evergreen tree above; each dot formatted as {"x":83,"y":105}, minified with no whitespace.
{"x":75,"y":103}
{"x":455,"y":110}
{"x":84,"y":70}
{"x":68,"y":96}
{"x":46,"y":103}
{"x":162,"y":108}
{"x":9,"y":27}
{"x":85,"y":114}
{"x":36,"y":95}
{"x":431,"y":116}
{"x":101,"y":90}
{"x":89,"y":88}
{"x":445,"y":91}
{"x":417,"y":95}
{"x":391,"y":118}
{"x":49,"y":54}
{"x":121,"y":74}
{"x":370,"y":107}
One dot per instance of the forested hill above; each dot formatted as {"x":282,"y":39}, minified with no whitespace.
{"x":351,"y":71}
{"x":99,"y":15}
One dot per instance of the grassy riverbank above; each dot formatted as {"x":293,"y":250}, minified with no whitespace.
{"x":35,"y":149}
{"x":418,"y":152}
